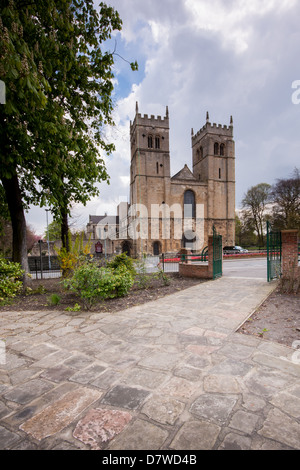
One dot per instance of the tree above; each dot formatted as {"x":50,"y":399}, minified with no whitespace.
{"x":286,"y":198}
{"x":255,"y":203}
{"x":54,"y":231}
{"x":25,"y":96}
{"x":244,"y":231}
{"x":59,"y":84}
{"x":6,"y":237}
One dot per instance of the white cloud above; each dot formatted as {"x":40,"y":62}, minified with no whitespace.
{"x":230,"y":57}
{"x":233,"y":20}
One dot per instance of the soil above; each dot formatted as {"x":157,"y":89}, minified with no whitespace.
{"x":40,"y":296}
{"x":277,"y":319}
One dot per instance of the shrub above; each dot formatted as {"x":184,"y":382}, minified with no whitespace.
{"x":91,"y":283}
{"x":76,"y":255}
{"x":54,"y":299}
{"x":123,"y":260}
{"x":10,"y":279}
{"x":142,"y":278}
{"x":162,"y":277}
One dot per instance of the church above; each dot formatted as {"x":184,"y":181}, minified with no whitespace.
{"x":166,"y":213}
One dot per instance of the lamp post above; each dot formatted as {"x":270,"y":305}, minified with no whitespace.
{"x":47,"y":210}
{"x":41,"y":257}
{"x":105,"y":230}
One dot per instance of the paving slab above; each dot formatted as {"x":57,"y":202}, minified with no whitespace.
{"x":171,"y":374}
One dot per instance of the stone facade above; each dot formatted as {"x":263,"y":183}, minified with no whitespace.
{"x":167,"y":213}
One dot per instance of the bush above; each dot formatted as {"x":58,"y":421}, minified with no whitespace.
{"x":10,"y":279}
{"x":123,"y":260}
{"x":54,"y":299}
{"x":76,"y":255}
{"x":91,"y":283}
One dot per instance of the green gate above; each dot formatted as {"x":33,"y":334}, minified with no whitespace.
{"x":273,"y":253}
{"x":217,"y":254}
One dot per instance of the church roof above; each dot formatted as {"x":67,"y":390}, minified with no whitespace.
{"x":103,"y":219}
{"x":184,"y":174}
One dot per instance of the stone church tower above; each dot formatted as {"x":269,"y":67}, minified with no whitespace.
{"x":214,"y":163}
{"x":210,"y":185}
{"x":167,"y":213}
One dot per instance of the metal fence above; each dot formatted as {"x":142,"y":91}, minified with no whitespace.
{"x":44,"y":267}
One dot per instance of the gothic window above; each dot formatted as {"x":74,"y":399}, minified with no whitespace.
{"x":157,"y":142}
{"x":216,"y":148}
{"x":189,"y":204}
{"x":157,"y":168}
{"x":201,"y":152}
{"x":222,"y":149}
{"x":150,"y":141}
{"x":219,"y":173}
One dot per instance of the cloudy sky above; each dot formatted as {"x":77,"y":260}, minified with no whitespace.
{"x":228,"y":57}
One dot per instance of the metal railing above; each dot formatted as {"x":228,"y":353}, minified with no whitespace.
{"x":44,"y":267}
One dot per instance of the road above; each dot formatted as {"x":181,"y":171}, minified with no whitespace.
{"x":247,"y":268}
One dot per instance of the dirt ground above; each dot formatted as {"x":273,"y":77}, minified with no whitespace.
{"x":277,"y":319}
{"x":42,"y":292}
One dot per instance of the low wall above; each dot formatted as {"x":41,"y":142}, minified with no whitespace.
{"x":201,"y":271}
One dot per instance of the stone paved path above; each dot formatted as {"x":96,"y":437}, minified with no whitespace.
{"x":172,"y":374}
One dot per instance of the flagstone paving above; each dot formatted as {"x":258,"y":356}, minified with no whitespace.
{"x":171,"y":374}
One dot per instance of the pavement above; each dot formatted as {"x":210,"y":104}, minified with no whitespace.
{"x":171,"y":375}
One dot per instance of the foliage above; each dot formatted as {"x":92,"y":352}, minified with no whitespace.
{"x":255,"y":203}
{"x":123,"y":260}
{"x":54,"y":231}
{"x":142,"y":279}
{"x":59,"y":85}
{"x":54,"y":299}
{"x":286,"y":199}
{"x":244,"y":231}
{"x":76,"y":308}
{"x":6,"y":236}
{"x":163,"y":277}
{"x":76,"y":255}
{"x":91,"y":283}
{"x":10,"y":279}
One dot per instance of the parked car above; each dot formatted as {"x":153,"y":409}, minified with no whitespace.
{"x":234,"y":249}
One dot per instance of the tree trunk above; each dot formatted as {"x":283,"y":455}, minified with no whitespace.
{"x":65,"y":230}
{"x":16,"y":210}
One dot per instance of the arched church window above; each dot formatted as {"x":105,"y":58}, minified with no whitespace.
{"x":156,"y":248}
{"x":216,"y":148}
{"x":201,"y":152}
{"x":222,"y":149}
{"x":150,"y":141}
{"x":189,"y":204}
{"x":157,"y":142}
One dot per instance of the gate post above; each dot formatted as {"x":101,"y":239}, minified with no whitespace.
{"x":217,"y":250}
{"x":289,"y":240}
{"x":274,"y":250}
